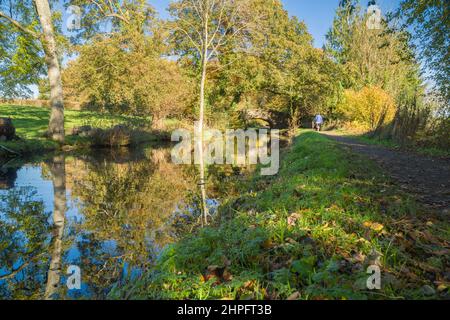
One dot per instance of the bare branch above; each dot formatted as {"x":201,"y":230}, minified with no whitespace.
{"x":99,"y":6}
{"x":193,"y":28}
{"x":111,"y":12}
{"x":118,"y":16}
{"x":23,"y":266}
{"x":219,"y":23}
{"x":19,"y":26}
{"x":198,"y":9}
{"x":190,"y":38}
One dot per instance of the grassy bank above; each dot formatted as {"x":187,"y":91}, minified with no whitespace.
{"x":309,"y":233}
{"x":31,"y":124}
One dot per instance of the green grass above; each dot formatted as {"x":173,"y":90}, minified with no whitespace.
{"x":309,"y":233}
{"x":31,"y":124}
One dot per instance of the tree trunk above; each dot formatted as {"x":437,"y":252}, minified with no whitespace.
{"x":56,"y":124}
{"x":57,"y":169}
{"x":201,"y":121}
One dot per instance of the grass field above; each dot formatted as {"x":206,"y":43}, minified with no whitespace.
{"x":309,"y":233}
{"x":31,"y":124}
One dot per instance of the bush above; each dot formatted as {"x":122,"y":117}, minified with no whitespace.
{"x":372,"y":107}
{"x":118,"y":136}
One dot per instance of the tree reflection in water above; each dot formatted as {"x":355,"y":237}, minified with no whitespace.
{"x":57,"y":169}
{"x":127,"y":209}
{"x":111,"y":214}
{"x":24,"y":243}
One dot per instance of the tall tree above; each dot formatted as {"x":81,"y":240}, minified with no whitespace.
{"x":107,"y":17}
{"x":339,"y":36}
{"x":371,"y":57}
{"x":120,"y":76}
{"x":430,"y":19}
{"x":379,"y":58}
{"x":56,"y":124}
{"x":37,"y":24}
{"x":120,"y":67}
{"x":282,"y":80}
{"x":202,"y":30}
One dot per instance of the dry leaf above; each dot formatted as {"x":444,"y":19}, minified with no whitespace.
{"x":294,"y":296}
{"x":293,"y":218}
{"x":375,"y":226}
{"x":227,"y":276}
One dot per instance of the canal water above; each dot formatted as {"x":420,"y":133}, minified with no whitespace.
{"x":108,"y":213}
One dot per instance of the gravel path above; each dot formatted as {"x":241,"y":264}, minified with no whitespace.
{"x":427,"y":178}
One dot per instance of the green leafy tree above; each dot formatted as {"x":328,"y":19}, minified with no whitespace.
{"x":283,"y":79}
{"x":122,"y":69}
{"x":31,"y":25}
{"x":431,"y":24}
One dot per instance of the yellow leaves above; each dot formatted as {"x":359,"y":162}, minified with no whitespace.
{"x":326,"y":227}
{"x":371,"y":106}
{"x":377,"y":227}
{"x":249,"y":284}
{"x":291,"y":241}
{"x":442,"y":287}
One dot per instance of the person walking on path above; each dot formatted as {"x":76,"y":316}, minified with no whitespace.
{"x":318,"y":122}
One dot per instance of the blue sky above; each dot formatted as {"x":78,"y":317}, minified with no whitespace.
{"x":317,"y":14}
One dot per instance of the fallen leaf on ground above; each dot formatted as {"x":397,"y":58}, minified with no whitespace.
{"x":294,"y":296}
{"x":293,"y":218}
{"x":378,"y":227}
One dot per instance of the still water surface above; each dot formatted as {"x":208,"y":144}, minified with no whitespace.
{"x":108,"y":212}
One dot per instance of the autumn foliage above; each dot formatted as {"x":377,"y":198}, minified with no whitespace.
{"x":371,"y":107}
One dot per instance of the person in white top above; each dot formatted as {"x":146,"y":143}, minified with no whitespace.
{"x":318,"y":122}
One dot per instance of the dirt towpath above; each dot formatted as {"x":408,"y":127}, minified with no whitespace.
{"x":427,"y":178}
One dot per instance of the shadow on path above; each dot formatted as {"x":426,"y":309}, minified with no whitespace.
{"x":425,"y":177}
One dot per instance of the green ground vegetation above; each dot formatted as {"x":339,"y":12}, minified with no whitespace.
{"x":309,"y":233}
{"x":31,"y":124}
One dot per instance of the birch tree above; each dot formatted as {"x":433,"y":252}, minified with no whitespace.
{"x":202,"y":30}
{"x":27,"y":23}
{"x":57,"y":169}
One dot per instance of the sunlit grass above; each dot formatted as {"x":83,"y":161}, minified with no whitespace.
{"x":31,"y":124}
{"x":308,"y":233}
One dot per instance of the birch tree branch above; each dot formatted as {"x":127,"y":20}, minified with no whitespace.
{"x":19,"y":26}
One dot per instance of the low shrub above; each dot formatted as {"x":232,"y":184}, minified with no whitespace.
{"x":117,"y":136}
{"x":371,"y":107}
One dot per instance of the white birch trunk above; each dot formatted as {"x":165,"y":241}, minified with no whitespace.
{"x":57,"y":168}
{"x":201,"y":118}
{"x":56,"y":123}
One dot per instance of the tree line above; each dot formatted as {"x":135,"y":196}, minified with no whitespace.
{"x":222,"y":61}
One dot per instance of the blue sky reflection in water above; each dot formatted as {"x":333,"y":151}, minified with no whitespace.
{"x":121,"y":210}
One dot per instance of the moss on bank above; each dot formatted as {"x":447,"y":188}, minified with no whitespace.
{"x":309,"y":233}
